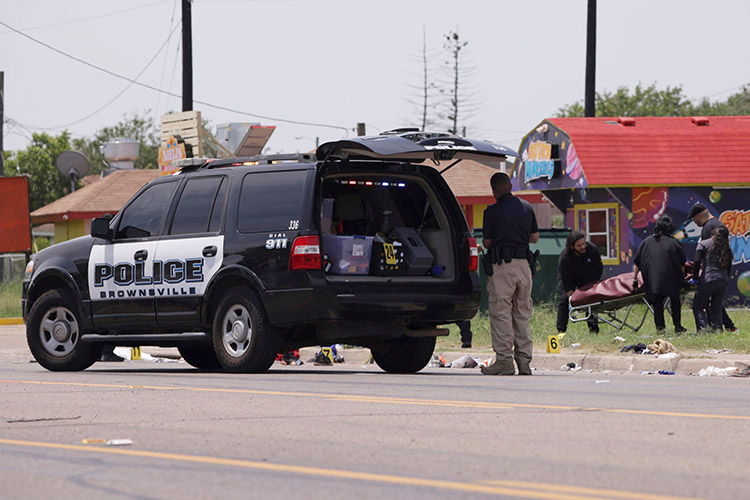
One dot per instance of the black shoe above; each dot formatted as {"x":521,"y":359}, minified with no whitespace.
{"x":465,"y":345}
{"x":680,"y":329}
{"x":110,"y":357}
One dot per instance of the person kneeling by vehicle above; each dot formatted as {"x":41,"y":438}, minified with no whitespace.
{"x":580,"y":264}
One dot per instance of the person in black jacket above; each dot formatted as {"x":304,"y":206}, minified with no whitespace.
{"x":707,"y":222}
{"x":661,"y":258}
{"x":580,"y":264}
{"x":715,"y":257}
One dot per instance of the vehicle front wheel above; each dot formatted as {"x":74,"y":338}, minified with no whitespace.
{"x":243,"y":339}
{"x":201,"y":357}
{"x":406,"y":355}
{"x":53,"y":332}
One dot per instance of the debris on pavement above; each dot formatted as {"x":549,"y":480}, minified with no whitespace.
{"x":669,"y":355}
{"x":719,"y":351}
{"x":602,"y":381}
{"x":665,"y":372}
{"x":108,"y":442}
{"x":438,"y":362}
{"x":465,"y":361}
{"x":715,"y":371}
{"x":661,"y":346}
{"x":570,"y":367}
{"x":126,"y":353}
{"x":639,"y":348}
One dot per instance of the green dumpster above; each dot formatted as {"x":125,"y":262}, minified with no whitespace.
{"x":551,"y":243}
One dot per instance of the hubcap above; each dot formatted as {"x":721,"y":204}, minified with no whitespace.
{"x":238,"y":331}
{"x":59,"y":331}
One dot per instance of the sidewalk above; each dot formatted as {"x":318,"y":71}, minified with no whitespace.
{"x":13,"y":340}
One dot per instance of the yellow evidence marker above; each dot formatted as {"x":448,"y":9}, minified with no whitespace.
{"x":135,"y":352}
{"x":553,"y":344}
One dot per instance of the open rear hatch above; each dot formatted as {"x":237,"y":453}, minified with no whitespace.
{"x":414,"y":145}
{"x":384,"y":223}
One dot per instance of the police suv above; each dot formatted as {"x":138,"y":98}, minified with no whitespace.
{"x":234,"y":260}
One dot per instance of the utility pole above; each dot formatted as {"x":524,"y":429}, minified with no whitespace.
{"x":361,"y":129}
{"x":187,"y":57}
{"x":2,"y":121}
{"x":589,"y":107}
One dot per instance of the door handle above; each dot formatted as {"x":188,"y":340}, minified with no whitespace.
{"x":209,"y":251}
{"x":140,"y":255}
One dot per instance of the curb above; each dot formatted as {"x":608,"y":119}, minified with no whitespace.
{"x":11,"y":321}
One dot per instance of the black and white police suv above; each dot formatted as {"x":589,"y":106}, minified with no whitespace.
{"x":234,"y":260}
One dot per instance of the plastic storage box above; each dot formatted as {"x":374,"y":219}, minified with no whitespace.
{"x":348,"y":254}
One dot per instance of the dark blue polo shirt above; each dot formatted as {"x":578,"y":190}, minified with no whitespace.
{"x":509,"y":222}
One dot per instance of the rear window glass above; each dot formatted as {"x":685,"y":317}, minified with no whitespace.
{"x":271,"y":202}
{"x":194,"y":208}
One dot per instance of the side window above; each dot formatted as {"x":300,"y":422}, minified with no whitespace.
{"x":271,"y":201}
{"x":194,"y":208}
{"x":215,"y":223}
{"x":143,"y":217}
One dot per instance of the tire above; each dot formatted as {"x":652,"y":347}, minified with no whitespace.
{"x":408,"y":355}
{"x":201,"y":357}
{"x":53,"y":333}
{"x":243,"y":339}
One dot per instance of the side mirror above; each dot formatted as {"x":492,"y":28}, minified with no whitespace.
{"x":100,"y":228}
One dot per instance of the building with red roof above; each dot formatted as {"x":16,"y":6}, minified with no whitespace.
{"x":613,"y":177}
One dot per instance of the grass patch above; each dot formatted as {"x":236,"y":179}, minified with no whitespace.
{"x":10,"y":299}
{"x":543,"y":322}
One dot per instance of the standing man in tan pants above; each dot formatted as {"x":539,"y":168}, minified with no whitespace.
{"x":509,"y":226}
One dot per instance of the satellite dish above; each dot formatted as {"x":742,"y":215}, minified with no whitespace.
{"x":72,"y":164}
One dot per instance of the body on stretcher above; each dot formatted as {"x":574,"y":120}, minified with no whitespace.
{"x":605,"y":299}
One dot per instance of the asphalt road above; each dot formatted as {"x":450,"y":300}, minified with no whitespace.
{"x":355,"y":432}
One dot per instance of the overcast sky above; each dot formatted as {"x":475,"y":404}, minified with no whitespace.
{"x":339,"y":62}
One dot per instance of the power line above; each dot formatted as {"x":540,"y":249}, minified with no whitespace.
{"x":73,"y":21}
{"x":215,"y":106}
{"x":164,"y":66}
{"x":126,"y":87}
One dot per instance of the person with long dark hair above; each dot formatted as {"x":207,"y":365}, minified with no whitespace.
{"x":661,"y":258}
{"x":580,"y":263}
{"x":714,"y":256}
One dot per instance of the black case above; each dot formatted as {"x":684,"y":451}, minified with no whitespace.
{"x":419,"y":259}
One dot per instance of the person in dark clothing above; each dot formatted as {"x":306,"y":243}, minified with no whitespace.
{"x":660,"y":258}
{"x":715,"y":257}
{"x":465,"y":329}
{"x":707,"y":222}
{"x":580,"y":263}
{"x":509,"y":226}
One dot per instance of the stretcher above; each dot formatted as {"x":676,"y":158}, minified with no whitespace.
{"x":611,"y":301}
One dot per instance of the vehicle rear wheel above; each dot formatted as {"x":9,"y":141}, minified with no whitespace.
{"x":243,"y":339}
{"x":53,"y":333}
{"x":201,"y":357}
{"x":407,"y":355}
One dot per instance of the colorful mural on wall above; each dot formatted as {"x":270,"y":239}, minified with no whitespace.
{"x":548,"y":160}
{"x":647,"y":204}
{"x":726,"y":204}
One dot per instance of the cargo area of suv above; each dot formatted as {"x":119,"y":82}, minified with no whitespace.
{"x":395,"y":227}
